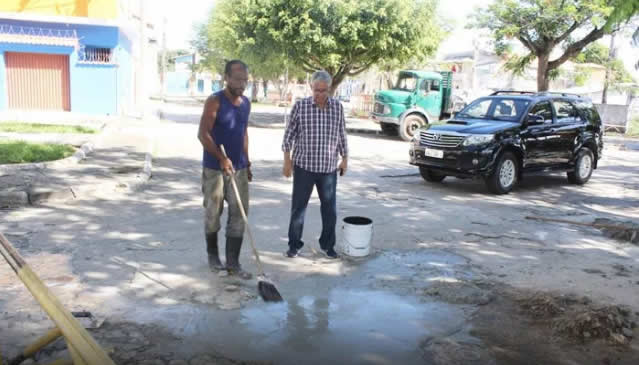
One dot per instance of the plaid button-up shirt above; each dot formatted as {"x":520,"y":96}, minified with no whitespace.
{"x":316,"y":135}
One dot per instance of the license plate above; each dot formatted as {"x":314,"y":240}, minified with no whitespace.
{"x":429,"y":152}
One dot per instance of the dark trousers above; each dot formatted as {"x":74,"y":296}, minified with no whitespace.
{"x":303,"y":183}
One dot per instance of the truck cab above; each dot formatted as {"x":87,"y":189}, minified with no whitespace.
{"x":418,"y":98}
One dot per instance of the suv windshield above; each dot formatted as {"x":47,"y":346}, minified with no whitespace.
{"x":406,"y":82}
{"x":506,"y":109}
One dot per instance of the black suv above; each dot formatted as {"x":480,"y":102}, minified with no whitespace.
{"x":508,"y":134}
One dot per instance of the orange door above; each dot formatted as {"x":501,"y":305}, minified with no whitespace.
{"x":37,"y":81}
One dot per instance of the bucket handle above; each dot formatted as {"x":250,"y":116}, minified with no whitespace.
{"x":372,"y":233}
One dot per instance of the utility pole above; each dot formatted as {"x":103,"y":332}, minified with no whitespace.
{"x":611,"y":56}
{"x":141,"y":72}
{"x":163,"y":75}
{"x":286,"y":92}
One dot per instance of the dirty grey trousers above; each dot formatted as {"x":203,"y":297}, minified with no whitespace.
{"x":217,"y":188}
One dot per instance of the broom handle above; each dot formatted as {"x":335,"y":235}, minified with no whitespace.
{"x":248,"y":229}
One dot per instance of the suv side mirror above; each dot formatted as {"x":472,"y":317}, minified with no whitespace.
{"x":534,"y":119}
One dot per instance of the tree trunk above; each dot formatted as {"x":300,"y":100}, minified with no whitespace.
{"x":542,"y":72}
{"x":265,"y":86}
{"x":611,"y":56}
{"x":337,"y":79}
{"x":389,"y":79}
{"x":254,"y":91}
{"x":280,"y":89}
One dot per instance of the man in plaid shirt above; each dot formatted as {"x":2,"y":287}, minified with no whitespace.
{"x":316,"y":133}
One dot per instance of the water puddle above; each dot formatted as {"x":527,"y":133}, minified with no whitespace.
{"x":338,"y":320}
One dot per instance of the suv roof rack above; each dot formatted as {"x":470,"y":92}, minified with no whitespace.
{"x":558,"y":93}
{"x":500,"y":92}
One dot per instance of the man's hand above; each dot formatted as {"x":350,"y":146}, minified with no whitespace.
{"x":343,"y":166}
{"x":288,"y":168}
{"x":227,"y":166}
{"x":249,"y":173}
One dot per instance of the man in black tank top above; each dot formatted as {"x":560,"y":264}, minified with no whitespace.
{"x":224,"y":122}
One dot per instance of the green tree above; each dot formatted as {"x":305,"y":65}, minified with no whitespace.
{"x":170,"y":58}
{"x":623,"y":12}
{"x":344,"y":38}
{"x":211,"y":56}
{"x":545,"y":25}
{"x":231,"y":33}
{"x":616,"y":73}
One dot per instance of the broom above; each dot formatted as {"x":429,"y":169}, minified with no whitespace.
{"x":267,"y":289}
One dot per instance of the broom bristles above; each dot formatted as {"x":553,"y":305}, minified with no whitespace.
{"x":268,"y":291}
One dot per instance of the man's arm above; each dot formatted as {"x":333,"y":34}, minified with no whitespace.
{"x":342,"y":143}
{"x":246,"y":139}
{"x":207,"y":122}
{"x":289,"y":139}
{"x":246,"y":153}
{"x":246,"y":144}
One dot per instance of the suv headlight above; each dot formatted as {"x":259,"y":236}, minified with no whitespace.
{"x":416,"y":137}
{"x":478,"y":139}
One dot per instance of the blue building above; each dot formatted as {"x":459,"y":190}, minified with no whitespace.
{"x":65,"y":63}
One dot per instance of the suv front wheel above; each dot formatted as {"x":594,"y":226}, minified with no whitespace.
{"x":429,"y":175}
{"x":504,"y":177}
{"x":583,"y":167}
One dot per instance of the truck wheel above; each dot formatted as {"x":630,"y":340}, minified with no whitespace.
{"x":409,"y":125}
{"x":583,"y":167}
{"x":430,"y":175}
{"x":389,"y":129}
{"x":504,"y":177}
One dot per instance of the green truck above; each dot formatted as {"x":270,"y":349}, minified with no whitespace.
{"x":418,"y":98}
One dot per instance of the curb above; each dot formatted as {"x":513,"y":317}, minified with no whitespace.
{"x":266,"y":125}
{"x":142,"y":178}
{"x":78,"y":156}
{"x":42,"y":195}
{"x":14,"y":198}
{"x":348,"y":129}
{"x":363,"y":131}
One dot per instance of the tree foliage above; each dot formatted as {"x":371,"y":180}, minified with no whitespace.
{"x":230,"y":33}
{"x":623,"y":11}
{"x":342,"y":37}
{"x":212,"y":57}
{"x":171,"y":55}
{"x":599,"y":54}
{"x":545,"y":25}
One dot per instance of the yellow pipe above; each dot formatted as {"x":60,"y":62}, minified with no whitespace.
{"x":66,"y":361}
{"x":84,"y":346}
{"x":73,"y":331}
{"x":75,"y":355}
{"x":41,"y":342}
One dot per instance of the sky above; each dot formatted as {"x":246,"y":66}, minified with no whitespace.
{"x":460,"y":38}
{"x":181,"y":16}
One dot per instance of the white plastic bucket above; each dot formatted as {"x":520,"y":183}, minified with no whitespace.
{"x":357,"y":234}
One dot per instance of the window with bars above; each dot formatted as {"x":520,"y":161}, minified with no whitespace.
{"x":97,"y":55}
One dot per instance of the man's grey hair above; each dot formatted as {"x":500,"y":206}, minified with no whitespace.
{"x":321,"y":75}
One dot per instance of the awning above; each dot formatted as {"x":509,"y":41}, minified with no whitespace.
{"x":34,"y":35}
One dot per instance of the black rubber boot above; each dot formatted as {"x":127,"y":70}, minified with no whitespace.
{"x":211,"y":248}
{"x":233,"y":247}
